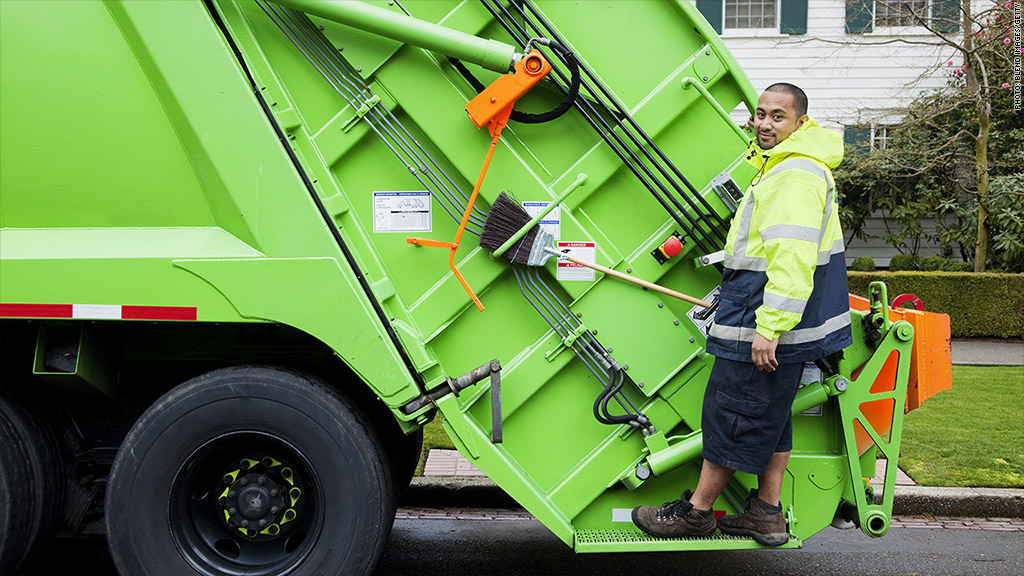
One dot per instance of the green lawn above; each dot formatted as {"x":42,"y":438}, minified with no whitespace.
{"x":972,"y":435}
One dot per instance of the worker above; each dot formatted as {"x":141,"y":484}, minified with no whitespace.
{"x":783,"y":302}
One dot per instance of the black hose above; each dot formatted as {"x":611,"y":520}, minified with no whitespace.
{"x":524,"y":117}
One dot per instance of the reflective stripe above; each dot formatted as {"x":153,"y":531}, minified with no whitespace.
{"x":800,"y":336}
{"x":794,"y":305}
{"x":754,"y":264}
{"x":837,"y":248}
{"x":793,"y":232}
{"x":797,"y":164}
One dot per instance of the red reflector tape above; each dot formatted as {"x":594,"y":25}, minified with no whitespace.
{"x":98,"y":312}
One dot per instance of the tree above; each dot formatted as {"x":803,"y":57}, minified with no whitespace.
{"x":958,"y":155}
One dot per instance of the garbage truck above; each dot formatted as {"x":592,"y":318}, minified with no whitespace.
{"x":240,"y":270}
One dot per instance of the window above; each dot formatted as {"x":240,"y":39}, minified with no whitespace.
{"x":750,"y":14}
{"x":862,"y":16}
{"x":771,"y":16}
{"x":879,"y":137}
{"x":893,"y":13}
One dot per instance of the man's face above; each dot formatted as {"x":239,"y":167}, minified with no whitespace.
{"x":775,"y":119}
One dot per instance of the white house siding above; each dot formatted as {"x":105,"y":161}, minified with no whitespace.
{"x":848,"y":78}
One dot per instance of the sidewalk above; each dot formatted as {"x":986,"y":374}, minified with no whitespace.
{"x":450,"y":480}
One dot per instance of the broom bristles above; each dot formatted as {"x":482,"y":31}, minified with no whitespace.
{"x":506,"y":218}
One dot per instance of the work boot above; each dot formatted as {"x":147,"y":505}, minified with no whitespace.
{"x":760,"y":521}
{"x":675,"y":519}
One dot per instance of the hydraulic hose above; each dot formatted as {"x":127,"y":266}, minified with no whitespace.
{"x":570,"y":61}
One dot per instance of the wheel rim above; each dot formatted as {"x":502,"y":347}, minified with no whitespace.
{"x":246,"y":502}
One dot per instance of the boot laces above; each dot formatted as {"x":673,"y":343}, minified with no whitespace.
{"x":676,"y":508}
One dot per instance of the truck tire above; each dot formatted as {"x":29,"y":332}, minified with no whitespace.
{"x":31,"y":482}
{"x":249,"y":471}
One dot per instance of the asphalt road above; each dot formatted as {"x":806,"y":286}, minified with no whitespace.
{"x":446,"y":547}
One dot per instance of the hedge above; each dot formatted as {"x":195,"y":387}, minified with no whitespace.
{"x":979,"y":305}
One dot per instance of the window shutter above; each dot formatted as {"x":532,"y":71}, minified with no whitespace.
{"x":793,"y":19}
{"x":712,"y":11}
{"x":857,"y":137}
{"x":860,"y":16}
{"x":946,"y":15}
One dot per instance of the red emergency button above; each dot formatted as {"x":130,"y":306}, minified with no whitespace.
{"x":671,"y":247}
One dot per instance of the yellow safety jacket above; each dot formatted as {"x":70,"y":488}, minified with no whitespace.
{"x":785,"y":267}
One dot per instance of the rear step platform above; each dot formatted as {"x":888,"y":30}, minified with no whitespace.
{"x":634,"y":540}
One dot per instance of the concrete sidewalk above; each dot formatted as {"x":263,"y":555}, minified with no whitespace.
{"x":450,"y":480}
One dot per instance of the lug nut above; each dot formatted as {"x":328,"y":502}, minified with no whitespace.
{"x":274,"y":509}
{"x":262,"y":480}
{"x":263,"y":523}
{"x":245,"y":523}
{"x":232,"y":511}
{"x":243,"y":482}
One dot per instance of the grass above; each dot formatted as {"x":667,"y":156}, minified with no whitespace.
{"x":434,"y":436}
{"x":972,"y":435}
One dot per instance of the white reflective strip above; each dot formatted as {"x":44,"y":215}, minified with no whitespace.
{"x":792,"y":232}
{"x":746,"y":263}
{"x":96,"y":311}
{"x":801,"y":336}
{"x":837,"y":248}
{"x":794,"y":305}
{"x":796,"y":164}
{"x":622,"y":515}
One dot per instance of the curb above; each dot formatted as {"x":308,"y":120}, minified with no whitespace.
{"x":482,"y":492}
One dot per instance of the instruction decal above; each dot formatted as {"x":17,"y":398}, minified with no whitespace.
{"x":586,"y":251}
{"x":703,"y":317}
{"x":401,"y":211}
{"x":551,"y":222}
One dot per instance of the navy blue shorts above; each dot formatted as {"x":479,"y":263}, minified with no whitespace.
{"x":748,"y":414}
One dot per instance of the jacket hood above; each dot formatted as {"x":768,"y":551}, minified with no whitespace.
{"x":821,"y":144}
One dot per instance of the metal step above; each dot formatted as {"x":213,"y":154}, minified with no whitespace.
{"x":634,"y":540}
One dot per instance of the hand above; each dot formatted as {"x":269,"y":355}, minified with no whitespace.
{"x":762,"y":352}
{"x":749,"y":124}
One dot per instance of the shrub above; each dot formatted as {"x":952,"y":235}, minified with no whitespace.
{"x":979,"y":305}
{"x":863,"y":264}
{"x":902,"y":262}
{"x":940,"y":264}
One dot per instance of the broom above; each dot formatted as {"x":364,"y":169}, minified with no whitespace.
{"x":507,"y":218}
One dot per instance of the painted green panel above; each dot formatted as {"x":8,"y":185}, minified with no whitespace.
{"x":90,"y":125}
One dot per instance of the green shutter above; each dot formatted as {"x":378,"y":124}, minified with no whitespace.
{"x":857,"y":137}
{"x":712,"y":11}
{"x":946,"y":15}
{"x":793,"y":19}
{"x":860,"y":16}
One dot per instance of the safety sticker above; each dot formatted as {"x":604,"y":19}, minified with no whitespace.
{"x":703,"y":317}
{"x":586,"y":251}
{"x":551,"y":222}
{"x":810,"y":375}
{"x":401,"y":211}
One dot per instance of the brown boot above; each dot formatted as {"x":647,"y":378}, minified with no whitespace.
{"x":674,"y":519}
{"x":760,"y":521}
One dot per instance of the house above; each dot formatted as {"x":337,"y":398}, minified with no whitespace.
{"x":857,"y":60}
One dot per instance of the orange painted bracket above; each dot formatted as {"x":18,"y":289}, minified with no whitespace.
{"x":508,"y":88}
{"x":931,"y":361}
{"x":429,"y":242}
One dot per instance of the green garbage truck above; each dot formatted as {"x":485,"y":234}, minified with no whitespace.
{"x":240,"y":270}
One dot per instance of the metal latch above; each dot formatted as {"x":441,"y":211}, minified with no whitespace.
{"x":363,"y":110}
{"x":728,"y":191}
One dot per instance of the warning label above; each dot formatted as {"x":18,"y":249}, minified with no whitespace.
{"x":586,"y":251}
{"x":552,"y":222}
{"x":401,"y":211}
{"x":703,"y":317}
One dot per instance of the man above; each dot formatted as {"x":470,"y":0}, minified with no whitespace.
{"x":783,"y":302}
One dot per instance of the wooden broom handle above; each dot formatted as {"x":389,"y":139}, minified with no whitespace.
{"x":637,"y":281}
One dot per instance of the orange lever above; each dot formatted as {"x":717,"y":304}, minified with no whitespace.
{"x":491,"y":108}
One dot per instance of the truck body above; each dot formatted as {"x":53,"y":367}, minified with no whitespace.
{"x":219,"y":343}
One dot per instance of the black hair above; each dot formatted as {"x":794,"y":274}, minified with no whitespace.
{"x":799,"y":97}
